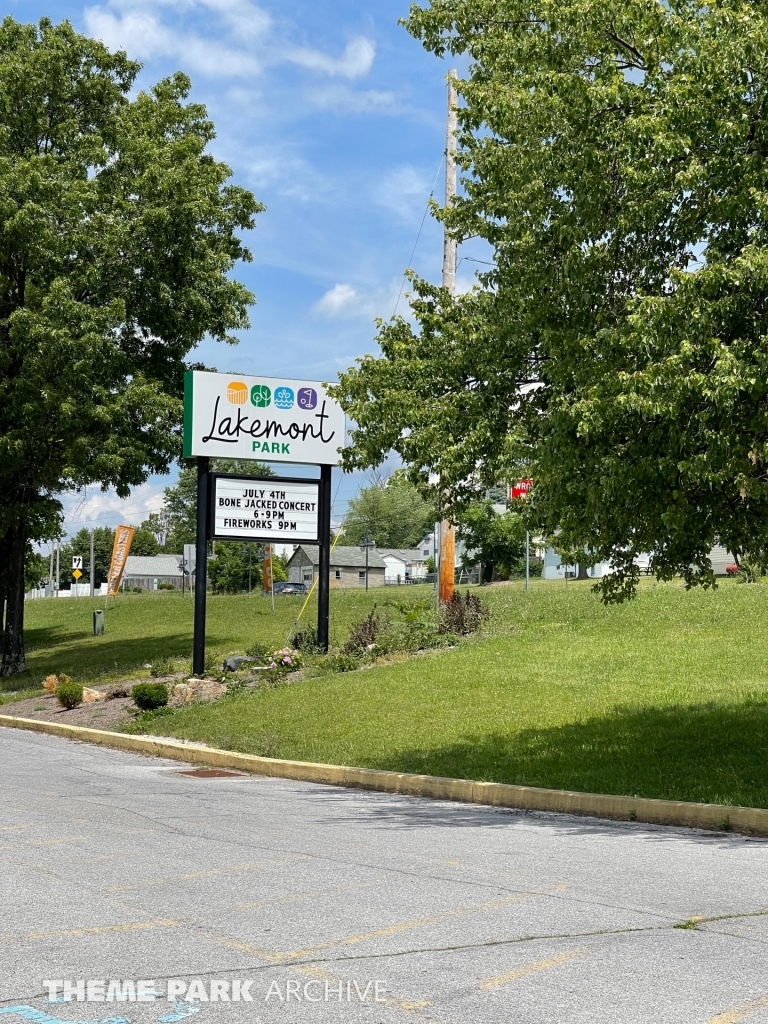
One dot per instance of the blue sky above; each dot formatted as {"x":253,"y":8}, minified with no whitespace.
{"x":335,"y":118}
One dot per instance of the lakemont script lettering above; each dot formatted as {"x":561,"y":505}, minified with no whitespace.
{"x":230,"y":429}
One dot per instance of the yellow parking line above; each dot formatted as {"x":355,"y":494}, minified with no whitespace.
{"x":138,"y":926}
{"x":204,"y":874}
{"x":742,"y":1012}
{"x":245,"y":947}
{"x":541,"y":965}
{"x":292,"y":897}
{"x":13,"y":828}
{"x":393,"y":929}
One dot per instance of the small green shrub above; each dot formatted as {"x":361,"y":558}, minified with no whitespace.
{"x":162,"y":667}
{"x":462,"y":614}
{"x":165,"y":586}
{"x":362,"y":636}
{"x":305,"y":640}
{"x":69,"y":694}
{"x":259,"y":649}
{"x":341,"y":663}
{"x":150,"y":696}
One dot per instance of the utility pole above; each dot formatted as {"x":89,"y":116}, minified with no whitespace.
{"x":58,"y":567}
{"x":90,"y":567}
{"x":447,"y":563}
{"x":50,"y":572}
{"x":366,"y":543}
{"x":527,"y":560}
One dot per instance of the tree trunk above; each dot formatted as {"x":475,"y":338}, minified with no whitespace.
{"x":582,"y":572}
{"x":14,"y":544}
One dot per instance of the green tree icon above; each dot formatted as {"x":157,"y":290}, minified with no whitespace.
{"x":260,"y":396}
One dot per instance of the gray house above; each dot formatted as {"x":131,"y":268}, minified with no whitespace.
{"x":149,"y":571}
{"x":347,"y":566}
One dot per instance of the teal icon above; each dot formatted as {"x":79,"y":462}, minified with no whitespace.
{"x":283,"y":398}
{"x":261,"y":396}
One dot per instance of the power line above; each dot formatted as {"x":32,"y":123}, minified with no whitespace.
{"x":418,"y":236}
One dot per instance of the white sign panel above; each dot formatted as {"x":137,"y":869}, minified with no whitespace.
{"x":245,"y":508}
{"x":269,"y":419}
{"x":77,"y":561}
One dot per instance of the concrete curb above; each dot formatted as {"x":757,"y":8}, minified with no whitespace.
{"x":748,"y":820}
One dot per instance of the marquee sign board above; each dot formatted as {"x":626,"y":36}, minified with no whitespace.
{"x":264,"y":418}
{"x":272,"y":509}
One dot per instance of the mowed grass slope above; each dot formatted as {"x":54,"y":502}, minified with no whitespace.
{"x":666,"y":696}
{"x":143,"y":628}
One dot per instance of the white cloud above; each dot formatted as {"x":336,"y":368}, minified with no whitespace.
{"x":341,"y":300}
{"x":356,"y":61}
{"x":92,"y":507}
{"x":144,"y":37}
{"x":344,"y":301}
{"x":343,"y":100}
{"x":245,"y":44}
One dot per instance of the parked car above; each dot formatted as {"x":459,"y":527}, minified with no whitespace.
{"x":290,"y":588}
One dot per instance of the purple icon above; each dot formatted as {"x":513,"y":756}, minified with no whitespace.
{"x":306,"y":398}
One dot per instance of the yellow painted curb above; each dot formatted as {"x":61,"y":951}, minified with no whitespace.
{"x":749,"y":820}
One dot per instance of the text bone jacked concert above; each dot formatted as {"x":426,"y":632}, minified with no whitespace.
{"x":290,"y":508}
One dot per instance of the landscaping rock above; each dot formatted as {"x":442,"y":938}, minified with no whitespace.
{"x":233,"y":664}
{"x":197,"y":691}
{"x":89,"y":695}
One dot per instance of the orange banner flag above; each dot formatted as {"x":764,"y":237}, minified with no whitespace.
{"x":120,"y":549}
{"x":266,"y":570}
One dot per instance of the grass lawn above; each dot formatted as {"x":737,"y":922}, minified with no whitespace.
{"x":666,"y":696}
{"x":144,"y":628}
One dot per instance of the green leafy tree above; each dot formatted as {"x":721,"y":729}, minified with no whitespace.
{"x":393,"y":512}
{"x":615,"y":158}
{"x":228,"y":570}
{"x":144,"y":542}
{"x":494,"y":539}
{"x":36,"y":568}
{"x":80,"y":544}
{"x":118,"y":235}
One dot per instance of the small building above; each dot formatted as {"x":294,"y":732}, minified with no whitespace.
{"x":428,"y":548}
{"x":149,"y":571}
{"x":347,"y":566}
{"x":554,"y":569}
{"x":403,"y":565}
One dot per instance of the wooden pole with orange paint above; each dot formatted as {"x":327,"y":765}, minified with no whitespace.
{"x":447,"y":559}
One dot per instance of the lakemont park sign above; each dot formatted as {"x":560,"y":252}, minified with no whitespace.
{"x":261,"y":419}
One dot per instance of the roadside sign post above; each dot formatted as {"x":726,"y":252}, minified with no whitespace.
{"x":267,"y":574}
{"x":77,"y":569}
{"x":201,"y":566}
{"x":324,"y":561}
{"x":270,"y":420}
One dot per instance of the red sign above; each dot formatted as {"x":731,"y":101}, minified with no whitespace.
{"x":520,"y":489}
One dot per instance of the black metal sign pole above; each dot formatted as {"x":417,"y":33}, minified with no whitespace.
{"x":201,"y":565}
{"x":324,"y":566}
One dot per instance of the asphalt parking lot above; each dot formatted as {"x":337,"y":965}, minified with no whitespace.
{"x":270,"y":901}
